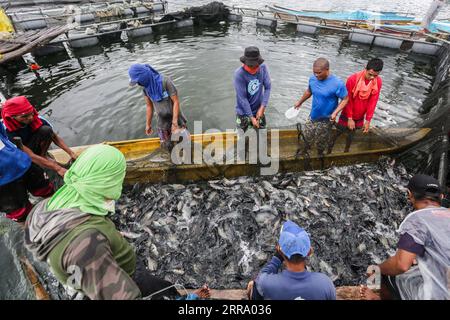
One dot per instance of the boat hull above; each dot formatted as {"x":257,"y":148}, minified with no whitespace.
{"x":365,"y":148}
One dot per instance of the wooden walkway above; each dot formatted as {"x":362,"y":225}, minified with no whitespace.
{"x":342,"y":293}
{"x":14,"y":48}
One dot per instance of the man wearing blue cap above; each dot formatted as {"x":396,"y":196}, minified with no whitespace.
{"x":294,"y":282}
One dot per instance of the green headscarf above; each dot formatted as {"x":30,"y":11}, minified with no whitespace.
{"x":93,"y":179}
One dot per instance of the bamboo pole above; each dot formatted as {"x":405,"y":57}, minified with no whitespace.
{"x":41,"y":40}
{"x":31,"y":274}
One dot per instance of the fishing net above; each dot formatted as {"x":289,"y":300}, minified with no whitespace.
{"x":212,"y":12}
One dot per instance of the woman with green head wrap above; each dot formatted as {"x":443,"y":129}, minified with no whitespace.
{"x":92,"y":182}
{"x":72,"y":232}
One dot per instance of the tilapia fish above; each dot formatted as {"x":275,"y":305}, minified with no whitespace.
{"x":222,"y":232}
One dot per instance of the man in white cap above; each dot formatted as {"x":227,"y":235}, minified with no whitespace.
{"x":294,"y":282}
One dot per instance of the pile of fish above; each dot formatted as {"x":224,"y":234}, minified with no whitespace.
{"x":222,"y":232}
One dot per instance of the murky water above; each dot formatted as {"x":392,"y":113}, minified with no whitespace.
{"x":88,"y":99}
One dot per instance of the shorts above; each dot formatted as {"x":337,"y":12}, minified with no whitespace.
{"x":244,"y":122}
{"x":14,"y":195}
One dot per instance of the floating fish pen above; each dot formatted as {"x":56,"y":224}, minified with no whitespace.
{"x":88,"y":28}
{"x":39,"y":18}
{"x":32,"y":29}
{"x":221,"y":226}
{"x":363,"y":32}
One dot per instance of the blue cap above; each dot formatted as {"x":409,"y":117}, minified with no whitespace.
{"x":294,"y":240}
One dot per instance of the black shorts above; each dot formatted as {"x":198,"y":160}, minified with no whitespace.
{"x":14,"y":195}
{"x":149,"y":284}
{"x":391,"y":285}
{"x":40,"y":139}
{"x":255,"y":293}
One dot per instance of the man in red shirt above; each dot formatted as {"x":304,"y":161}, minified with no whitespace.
{"x":363,"y":91}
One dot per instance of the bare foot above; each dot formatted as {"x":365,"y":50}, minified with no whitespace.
{"x":367,"y":294}
{"x":203,"y":292}
{"x":250,"y":290}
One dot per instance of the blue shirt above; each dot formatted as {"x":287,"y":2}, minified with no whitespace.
{"x":13,"y":162}
{"x":326,"y":94}
{"x":252,"y":90}
{"x":288,"y":285}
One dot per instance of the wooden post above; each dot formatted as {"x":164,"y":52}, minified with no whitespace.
{"x":448,"y":281}
{"x":2,"y":98}
{"x":32,"y":276}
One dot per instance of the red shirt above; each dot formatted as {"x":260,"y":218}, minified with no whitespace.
{"x":357,"y":108}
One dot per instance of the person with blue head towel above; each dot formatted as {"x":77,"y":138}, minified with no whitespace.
{"x":161,"y":95}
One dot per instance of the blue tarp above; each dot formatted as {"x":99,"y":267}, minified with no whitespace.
{"x":434,"y":27}
{"x":358,"y":15}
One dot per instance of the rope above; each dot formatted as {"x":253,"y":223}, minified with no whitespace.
{"x":149,"y":297}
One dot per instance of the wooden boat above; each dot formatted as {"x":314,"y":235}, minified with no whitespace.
{"x":365,"y":148}
{"x":358,"y":17}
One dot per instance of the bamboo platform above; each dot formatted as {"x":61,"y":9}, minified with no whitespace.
{"x":15,"y":48}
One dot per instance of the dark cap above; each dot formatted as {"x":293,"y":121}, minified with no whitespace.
{"x":252,"y":57}
{"x":424,"y":185}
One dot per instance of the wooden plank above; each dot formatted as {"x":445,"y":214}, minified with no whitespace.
{"x":448,"y":281}
{"x":8,"y":45}
{"x":342,"y":293}
{"x":43,"y":38}
{"x":31,"y":274}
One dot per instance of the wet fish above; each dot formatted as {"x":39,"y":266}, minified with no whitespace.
{"x":223,"y":231}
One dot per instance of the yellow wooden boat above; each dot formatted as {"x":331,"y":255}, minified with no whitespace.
{"x":365,"y":148}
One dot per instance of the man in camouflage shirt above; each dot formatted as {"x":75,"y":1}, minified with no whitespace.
{"x":72,"y":232}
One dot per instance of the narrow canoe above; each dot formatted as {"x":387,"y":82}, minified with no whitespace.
{"x":364,"y":148}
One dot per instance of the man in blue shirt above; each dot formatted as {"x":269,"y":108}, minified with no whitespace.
{"x":252,"y":85}
{"x":295,"y":282}
{"x":326,"y":90}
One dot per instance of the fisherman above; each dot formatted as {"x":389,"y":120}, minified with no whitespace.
{"x":18,"y":176}
{"x":21,"y":120}
{"x":326,"y":90}
{"x":252,"y":84}
{"x":420,"y":267}
{"x":73,"y":233}
{"x":295,"y":282}
{"x":364,"y":91}
{"x":160,"y":94}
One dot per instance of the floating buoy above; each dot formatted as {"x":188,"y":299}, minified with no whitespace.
{"x":32,"y":24}
{"x":140,"y":32}
{"x":388,"y":42}
{"x":361,"y":37}
{"x":304,"y":28}
{"x":235,"y":17}
{"x":84,"y":18}
{"x":185,"y":23}
{"x":266,"y":22}
{"x":142,"y":11}
{"x":426,"y":48}
{"x":81,"y":39}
